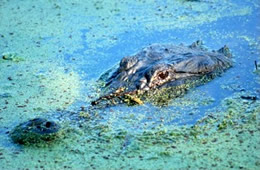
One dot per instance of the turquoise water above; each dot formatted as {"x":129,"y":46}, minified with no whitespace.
{"x":60,"y":49}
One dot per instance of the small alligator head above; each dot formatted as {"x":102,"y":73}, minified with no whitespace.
{"x":161,"y":66}
{"x":35,"y":131}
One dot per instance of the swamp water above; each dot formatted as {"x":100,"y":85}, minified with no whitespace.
{"x":56,"y":50}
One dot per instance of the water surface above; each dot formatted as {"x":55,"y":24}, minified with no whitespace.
{"x":61,"y":49}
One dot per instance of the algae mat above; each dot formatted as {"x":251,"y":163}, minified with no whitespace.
{"x":55,"y":50}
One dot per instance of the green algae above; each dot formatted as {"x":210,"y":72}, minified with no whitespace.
{"x":43,"y":31}
{"x":193,"y":142}
{"x":57,"y":27}
{"x":204,"y":145}
{"x":35,"y":89}
{"x":210,"y":148}
{"x":204,"y":139}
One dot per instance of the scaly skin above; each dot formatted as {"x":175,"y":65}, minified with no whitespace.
{"x":163,"y":66}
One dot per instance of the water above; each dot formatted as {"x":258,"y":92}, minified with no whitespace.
{"x":66,"y":46}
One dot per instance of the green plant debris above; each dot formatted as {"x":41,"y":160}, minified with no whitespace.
{"x":133,"y":99}
{"x":35,"y":89}
{"x":202,"y":145}
{"x":59,"y":30}
{"x":59,"y":44}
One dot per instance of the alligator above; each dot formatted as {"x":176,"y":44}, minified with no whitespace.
{"x":38,"y":130}
{"x":157,"y":73}
{"x":161,"y":72}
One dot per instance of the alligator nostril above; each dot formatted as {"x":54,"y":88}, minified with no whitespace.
{"x":48,"y":124}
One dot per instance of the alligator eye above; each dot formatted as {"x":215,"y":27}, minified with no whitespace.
{"x":48,"y":124}
{"x":163,"y":75}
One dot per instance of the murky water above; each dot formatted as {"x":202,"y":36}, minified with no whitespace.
{"x":61,"y":48}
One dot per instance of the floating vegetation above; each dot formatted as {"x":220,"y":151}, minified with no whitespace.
{"x":132,"y":100}
{"x":65,"y":46}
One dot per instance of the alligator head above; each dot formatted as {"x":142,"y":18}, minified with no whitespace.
{"x":162,"y":66}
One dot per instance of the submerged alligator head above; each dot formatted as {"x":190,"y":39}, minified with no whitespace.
{"x":163,"y":66}
{"x":35,"y":131}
